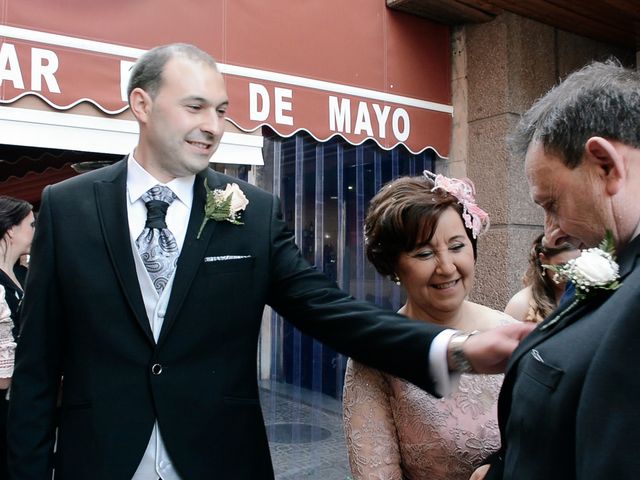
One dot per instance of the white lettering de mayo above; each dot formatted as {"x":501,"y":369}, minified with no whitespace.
{"x":340,"y":119}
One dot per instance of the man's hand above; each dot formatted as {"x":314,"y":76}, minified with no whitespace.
{"x":488,"y":352}
{"x":480,"y":472}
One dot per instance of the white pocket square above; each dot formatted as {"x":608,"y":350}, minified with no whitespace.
{"x":224,"y":258}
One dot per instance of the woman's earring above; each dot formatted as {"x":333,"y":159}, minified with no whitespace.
{"x":395,"y":279}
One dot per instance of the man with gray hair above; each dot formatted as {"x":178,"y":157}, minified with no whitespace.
{"x":569,"y":406}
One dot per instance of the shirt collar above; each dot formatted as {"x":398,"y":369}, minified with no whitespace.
{"x":139,"y":181}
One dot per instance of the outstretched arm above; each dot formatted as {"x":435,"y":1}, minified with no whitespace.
{"x":383,"y":340}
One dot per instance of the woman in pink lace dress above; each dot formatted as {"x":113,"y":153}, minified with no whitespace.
{"x":421,"y":232}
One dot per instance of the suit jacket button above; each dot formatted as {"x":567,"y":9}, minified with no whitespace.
{"x":156,"y":369}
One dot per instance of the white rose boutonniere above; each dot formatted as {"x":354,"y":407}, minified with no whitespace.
{"x":224,"y":205}
{"x":595,"y":269}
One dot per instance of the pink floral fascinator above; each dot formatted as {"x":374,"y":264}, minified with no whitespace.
{"x":475,"y":219}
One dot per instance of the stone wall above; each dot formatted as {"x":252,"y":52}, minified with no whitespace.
{"x":499,"y":69}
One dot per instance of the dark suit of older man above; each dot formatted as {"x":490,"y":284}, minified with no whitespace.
{"x":569,"y":405}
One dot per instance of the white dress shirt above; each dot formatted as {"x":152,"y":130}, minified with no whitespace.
{"x":155,"y":462}
{"x":445,"y":380}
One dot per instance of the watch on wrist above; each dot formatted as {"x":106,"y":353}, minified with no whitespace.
{"x":458,"y":358}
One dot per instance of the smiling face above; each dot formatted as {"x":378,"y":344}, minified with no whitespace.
{"x":181,"y":126}
{"x":439,"y":275}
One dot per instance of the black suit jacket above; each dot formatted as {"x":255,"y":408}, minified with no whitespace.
{"x":570,"y":403}
{"x":84,"y":318}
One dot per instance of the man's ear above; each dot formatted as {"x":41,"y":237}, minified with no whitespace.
{"x":140,"y":102}
{"x":609,"y":162}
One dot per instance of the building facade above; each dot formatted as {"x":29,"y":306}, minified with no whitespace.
{"x":329,"y":100}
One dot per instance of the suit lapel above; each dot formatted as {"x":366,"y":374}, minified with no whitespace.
{"x":193,"y":250}
{"x":629,"y":257}
{"x":112,"y":212}
{"x":568,"y":315}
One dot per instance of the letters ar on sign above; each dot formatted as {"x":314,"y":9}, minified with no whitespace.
{"x":43,"y":65}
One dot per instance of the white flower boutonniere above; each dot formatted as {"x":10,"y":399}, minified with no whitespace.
{"x":223,"y":205}
{"x":595,"y":269}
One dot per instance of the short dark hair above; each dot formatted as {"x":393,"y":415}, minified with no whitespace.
{"x":12,"y":212}
{"x":403,"y":216}
{"x":601,"y":99}
{"x":146,"y":73}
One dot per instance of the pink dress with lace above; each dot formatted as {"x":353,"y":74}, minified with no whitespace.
{"x":395,"y":431}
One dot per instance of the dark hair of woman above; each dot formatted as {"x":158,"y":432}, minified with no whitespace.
{"x":403,"y":216}
{"x":12,"y":212}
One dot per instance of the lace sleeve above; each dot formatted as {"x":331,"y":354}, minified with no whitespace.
{"x":7,"y":345}
{"x":372,"y":440}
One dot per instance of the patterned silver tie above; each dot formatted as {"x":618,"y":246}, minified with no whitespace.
{"x":156,"y":244}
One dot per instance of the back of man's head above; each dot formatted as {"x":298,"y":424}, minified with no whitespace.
{"x":601,"y":99}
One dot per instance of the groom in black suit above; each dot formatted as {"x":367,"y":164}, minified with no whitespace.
{"x":153,"y":321}
{"x":570,"y":403}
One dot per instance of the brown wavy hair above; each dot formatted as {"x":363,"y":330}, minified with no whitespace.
{"x":403,"y":216}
